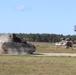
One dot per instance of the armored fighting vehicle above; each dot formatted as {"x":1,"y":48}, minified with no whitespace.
{"x":16,"y":46}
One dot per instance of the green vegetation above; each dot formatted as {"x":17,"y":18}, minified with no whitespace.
{"x":32,"y":65}
{"x":45,"y":37}
{"x":45,"y":47}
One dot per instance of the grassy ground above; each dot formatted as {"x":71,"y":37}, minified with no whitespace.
{"x":32,"y":65}
{"x":51,"y":48}
{"x":43,"y":65}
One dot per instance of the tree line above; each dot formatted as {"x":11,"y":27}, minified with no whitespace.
{"x":44,"y":37}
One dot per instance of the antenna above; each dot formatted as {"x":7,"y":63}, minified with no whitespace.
{"x":75,"y":28}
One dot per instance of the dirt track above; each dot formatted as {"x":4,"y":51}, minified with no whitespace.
{"x":55,"y":54}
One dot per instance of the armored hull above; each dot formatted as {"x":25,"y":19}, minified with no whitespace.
{"x":18,"y":48}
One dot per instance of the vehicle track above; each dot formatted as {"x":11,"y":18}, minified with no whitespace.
{"x":55,"y":54}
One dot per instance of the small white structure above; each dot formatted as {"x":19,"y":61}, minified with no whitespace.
{"x":62,"y":43}
{"x":58,"y":44}
{"x":65,"y":43}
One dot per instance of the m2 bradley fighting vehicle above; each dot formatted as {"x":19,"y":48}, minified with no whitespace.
{"x":16,"y":46}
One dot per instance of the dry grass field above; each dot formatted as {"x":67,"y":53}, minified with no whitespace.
{"x":44,"y":47}
{"x":34,"y":65}
{"x":39,"y":65}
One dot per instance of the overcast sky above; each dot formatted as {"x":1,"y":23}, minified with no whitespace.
{"x":38,"y":16}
